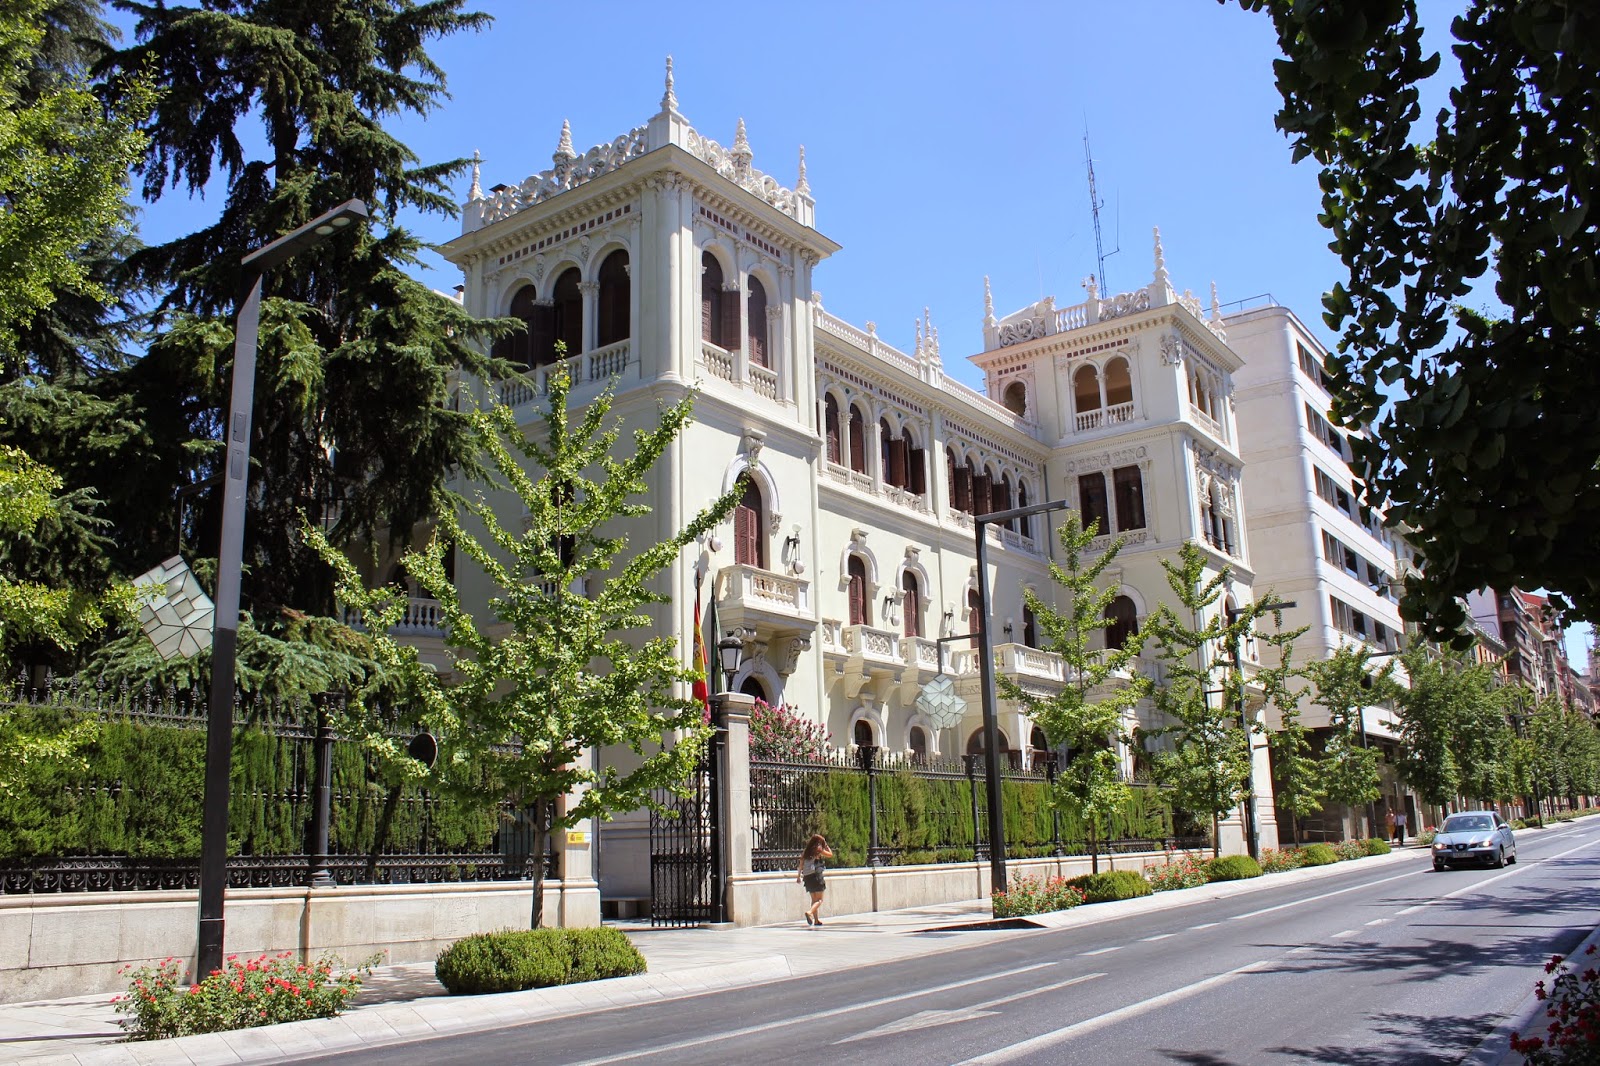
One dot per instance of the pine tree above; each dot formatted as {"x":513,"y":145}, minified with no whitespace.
{"x":354,"y":420}
{"x":565,"y":662}
{"x":1345,"y":683}
{"x":1090,"y":785}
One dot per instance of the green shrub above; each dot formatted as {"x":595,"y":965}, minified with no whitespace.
{"x":1280,"y":860}
{"x":1349,"y":849}
{"x":162,"y":1001}
{"x":1035,"y":895}
{"x":1424,"y":838}
{"x":1232,"y":868}
{"x":1111,"y":885}
{"x":1187,"y":872}
{"x":1376,"y":846}
{"x":515,"y":959}
{"x":1318,"y":855}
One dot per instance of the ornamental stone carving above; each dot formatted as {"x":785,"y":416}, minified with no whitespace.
{"x":735,"y":166}
{"x":1171,"y":350}
{"x":786,"y":653}
{"x":1125,"y":303}
{"x":566,"y":174}
{"x":1026,"y":330}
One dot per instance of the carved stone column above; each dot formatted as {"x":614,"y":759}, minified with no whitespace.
{"x":591,"y":314}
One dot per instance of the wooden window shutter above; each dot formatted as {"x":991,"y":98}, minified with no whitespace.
{"x":858,"y":592}
{"x":747,"y":540}
{"x":830,"y":419}
{"x":728,"y":328}
{"x":897,"y":462}
{"x":919,"y":470}
{"x":858,"y":442}
{"x":911,"y":607}
{"x":982,"y":494}
{"x":756,"y":323}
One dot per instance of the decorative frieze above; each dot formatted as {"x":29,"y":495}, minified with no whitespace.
{"x":569,"y":172}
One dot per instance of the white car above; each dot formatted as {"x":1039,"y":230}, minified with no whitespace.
{"x":1475,"y":837}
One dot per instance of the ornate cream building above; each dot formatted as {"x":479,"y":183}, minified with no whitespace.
{"x":668,"y":262}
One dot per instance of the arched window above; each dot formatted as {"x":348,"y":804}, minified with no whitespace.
{"x":982,"y":491}
{"x":756,"y":325}
{"x":566,"y":317}
{"x":886,"y":443}
{"x":614,"y":306}
{"x":858,"y":440}
{"x":1025,"y":523}
{"x":717,"y":307}
{"x":1037,"y":741}
{"x":916,"y":464}
{"x":861,"y":735}
{"x":1128,"y":485}
{"x":1086,"y":390}
{"x":749,"y":545}
{"x":919,"y":744}
{"x":856,"y":570}
{"x":830,"y":428}
{"x":1015,"y":398}
{"x":1092,"y":501}
{"x":960,"y":482}
{"x":752,"y":686}
{"x":974,"y":616}
{"x":1119,"y":383}
{"x":519,"y":347}
{"x":976,"y":746}
{"x":910,"y":604}
{"x":1030,"y":627}
{"x":1124,"y":619}
{"x":1002,"y":498}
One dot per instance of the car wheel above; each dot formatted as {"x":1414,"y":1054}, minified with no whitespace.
{"x":1499,"y":859}
{"x":1438,"y":867}
{"x":1513,"y":858}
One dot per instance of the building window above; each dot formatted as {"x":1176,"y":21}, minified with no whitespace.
{"x":1092,"y":501}
{"x":1330,"y":491}
{"x":1030,"y":628}
{"x":976,"y":745}
{"x":910,"y":605}
{"x":1086,"y":390}
{"x":1002,"y":498}
{"x":919,"y":745}
{"x":861,"y":734}
{"x":756,"y":325}
{"x":982,"y":492}
{"x":974,"y":616}
{"x":916,"y":465}
{"x":1025,"y":522}
{"x":719,"y":312}
{"x":749,"y":545}
{"x":1323,"y":430}
{"x":1311,"y":366}
{"x":1124,"y":619}
{"x":1128,"y":483}
{"x":1119,"y":383}
{"x":566,"y":317}
{"x":519,"y":348}
{"x":614,"y":307}
{"x":858,"y":440}
{"x":1015,"y":398}
{"x":856,"y":570}
{"x":830,"y":428}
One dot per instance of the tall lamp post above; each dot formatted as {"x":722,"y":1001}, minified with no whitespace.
{"x":991,"y":718}
{"x":1252,"y":838}
{"x":730,"y":656}
{"x":230,"y":560}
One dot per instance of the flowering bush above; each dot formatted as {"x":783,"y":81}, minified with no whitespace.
{"x":1350,"y":849}
{"x":1187,"y":872}
{"x":1572,"y":1005}
{"x":783,"y":733}
{"x":1279,"y":860}
{"x":161,"y":1000}
{"x":1035,"y":895}
{"x":1425,"y":837}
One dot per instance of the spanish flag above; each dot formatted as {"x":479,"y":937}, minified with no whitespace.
{"x":701,"y":689}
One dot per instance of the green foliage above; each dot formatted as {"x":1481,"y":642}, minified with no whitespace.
{"x":1454,"y":736}
{"x":1109,"y":885}
{"x":260,"y":991}
{"x":1318,"y":855}
{"x":515,"y":959}
{"x":1471,"y":307}
{"x":1035,"y":895}
{"x":1086,"y":717}
{"x":1232,"y":868}
{"x":1376,"y":846}
{"x":1350,"y":849}
{"x":1281,"y":860}
{"x":1345,"y":684}
{"x":544,"y":677}
{"x":1186,"y":872}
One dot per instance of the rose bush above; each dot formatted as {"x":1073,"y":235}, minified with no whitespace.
{"x":1572,"y":1006}
{"x":162,"y":1000}
{"x":1035,"y":895}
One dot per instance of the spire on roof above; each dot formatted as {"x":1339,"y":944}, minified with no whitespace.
{"x":918,"y":350}
{"x":564,"y":152}
{"x":669,"y":99}
{"x":1216,"y":308}
{"x":741,"y":154}
{"x":803,"y":186}
{"x":476,"y":191}
{"x":1161,"y":260}
{"x":988,"y":303}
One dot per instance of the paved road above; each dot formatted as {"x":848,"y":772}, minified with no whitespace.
{"x":1394,"y":965}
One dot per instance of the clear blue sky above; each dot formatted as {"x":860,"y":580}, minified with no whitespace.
{"x":944,"y":141}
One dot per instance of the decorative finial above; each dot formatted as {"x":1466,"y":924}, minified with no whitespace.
{"x":740,"y":154}
{"x":476,"y":191}
{"x":564,"y":152}
{"x":1091,"y":285}
{"x":803,"y":186}
{"x":1216,"y":308}
{"x":669,"y":99}
{"x":988,"y":303}
{"x":918,"y":350}
{"x":1161,"y":259}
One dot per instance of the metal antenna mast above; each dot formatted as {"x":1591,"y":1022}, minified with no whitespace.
{"x":1095,"y":204}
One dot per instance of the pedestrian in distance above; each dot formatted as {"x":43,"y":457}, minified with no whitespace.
{"x":1388,"y":821}
{"x":812,"y":864}
{"x":1400,"y":828}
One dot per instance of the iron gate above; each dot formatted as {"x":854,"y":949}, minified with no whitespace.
{"x":681,"y":851}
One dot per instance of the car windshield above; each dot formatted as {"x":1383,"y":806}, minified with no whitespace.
{"x":1468,"y":823}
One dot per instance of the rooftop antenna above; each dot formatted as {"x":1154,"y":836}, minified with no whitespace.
{"x":1095,"y":204}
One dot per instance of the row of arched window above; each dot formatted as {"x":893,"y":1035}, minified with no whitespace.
{"x":1094,"y":389}
{"x":901,"y":463}
{"x":719,"y":313}
{"x":977,"y":491}
{"x":560,"y":318}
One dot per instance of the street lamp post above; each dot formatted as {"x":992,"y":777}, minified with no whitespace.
{"x":991,"y":718}
{"x":730,"y":655}
{"x":1252,"y":838}
{"x":230,"y":561}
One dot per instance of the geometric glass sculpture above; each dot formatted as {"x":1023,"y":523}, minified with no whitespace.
{"x":938,"y":700}
{"x":177,"y":614}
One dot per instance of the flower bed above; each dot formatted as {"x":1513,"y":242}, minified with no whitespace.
{"x":1572,"y":1010}
{"x":1036,"y":895}
{"x":162,"y":1001}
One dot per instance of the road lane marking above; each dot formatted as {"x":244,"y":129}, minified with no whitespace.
{"x":1158,"y":936}
{"x":1475,"y":885}
{"x":1325,"y":895}
{"x":1100,"y":951}
{"x":1344,"y":933}
{"x":835,"y":1012}
{"x":1380,"y":921}
{"x":1033,"y":1045}
{"x":1204,"y":925}
{"x":928,"y":1018}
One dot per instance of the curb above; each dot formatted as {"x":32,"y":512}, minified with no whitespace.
{"x":392,"y":1023}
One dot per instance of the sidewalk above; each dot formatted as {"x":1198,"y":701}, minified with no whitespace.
{"x":405,"y":1002}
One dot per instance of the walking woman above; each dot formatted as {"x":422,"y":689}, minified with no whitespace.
{"x":810,"y":874}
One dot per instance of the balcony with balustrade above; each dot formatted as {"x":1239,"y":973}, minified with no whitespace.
{"x":769,"y":603}
{"x":588,"y":371}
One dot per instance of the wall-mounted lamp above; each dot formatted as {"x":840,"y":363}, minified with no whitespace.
{"x":888,"y":603}
{"x":1007,"y":628}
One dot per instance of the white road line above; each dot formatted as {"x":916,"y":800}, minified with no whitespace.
{"x":1158,"y":936}
{"x":1343,"y":933}
{"x":1474,"y":886}
{"x":807,"y":1019}
{"x":1325,"y":895}
{"x":1033,"y":1045}
{"x":1035,"y":991}
{"x":1100,"y":951}
{"x":1204,"y":925}
{"x":1380,"y":921}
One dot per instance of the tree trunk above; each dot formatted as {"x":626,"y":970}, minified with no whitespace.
{"x":541,"y":844}
{"x":1094,"y":850}
{"x":381,"y":836}
{"x":1216,"y":835}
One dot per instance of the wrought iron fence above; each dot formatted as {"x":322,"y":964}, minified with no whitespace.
{"x":895,"y":810}
{"x":125,"y":814}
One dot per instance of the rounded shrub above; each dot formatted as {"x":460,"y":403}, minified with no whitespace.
{"x":1349,"y":849}
{"x":1318,"y":855}
{"x":1376,"y":846}
{"x":1111,"y":885}
{"x":1279,"y":860}
{"x":515,"y":959}
{"x":1232,"y":868}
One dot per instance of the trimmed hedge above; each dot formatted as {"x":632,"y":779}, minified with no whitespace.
{"x":1232,"y":868}
{"x":1110,"y":885}
{"x":1318,"y":855}
{"x":1376,"y":846}
{"x":516,"y":959}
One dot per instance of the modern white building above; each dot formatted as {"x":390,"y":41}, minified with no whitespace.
{"x":668,"y":262}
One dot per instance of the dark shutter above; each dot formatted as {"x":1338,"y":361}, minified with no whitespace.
{"x":728,"y":328}
{"x":974,"y":617}
{"x":830,"y":420}
{"x":919,"y":470}
{"x":756,"y":323}
{"x":982,"y":494}
{"x":542,"y":336}
{"x":748,"y":543}
{"x":910,"y":608}
{"x":1092,"y":501}
{"x":858,"y":441}
{"x":1129,"y":486}
{"x":614,"y":299}
{"x":897,"y":462}
{"x":858,"y":591}
{"x":710,"y":297}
